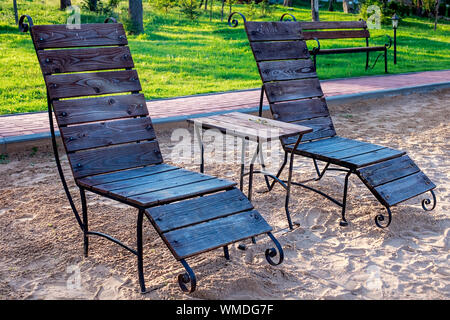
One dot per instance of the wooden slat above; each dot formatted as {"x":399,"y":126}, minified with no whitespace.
{"x":206,"y":236}
{"x":87,"y":136}
{"x":91,"y":59}
{"x":279,"y":50}
{"x":403,"y":189}
{"x":337,"y":34}
{"x":277,"y":30}
{"x":171,"y":179}
{"x":350,"y":50}
{"x":292,"y":90}
{"x":125,"y":175}
{"x":181,"y":214}
{"x":372,"y":157}
{"x":333,"y":145}
{"x":77,"y":111}
{"x":95,"y":83}
{"x":387,"y":171}
{"x":322,"y":127}
{"x":91,"y":162}
{"x":316,"y":25}
{"x":88,"y":35}
{"x":299,"y":110}
{"x":323,"y":143}
{"x":181,"y":192}
{"x":286,"y":70}
{"x":354,"y":151}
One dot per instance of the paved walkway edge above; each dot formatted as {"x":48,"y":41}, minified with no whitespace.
{"x":331,"y":100}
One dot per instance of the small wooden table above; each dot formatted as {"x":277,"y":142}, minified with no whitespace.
{"x":258,"y":129}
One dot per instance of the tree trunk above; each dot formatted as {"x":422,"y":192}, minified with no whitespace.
{"x":135,"y":13}
{"x":330,"y":5}
{"x":287,"y":3}
{"x":16,"y":14}
{"x":315,"y":10}
{"x":223,"y":5}
{"x":206,"y":4}
{"x":64,"y":4}
{"x":437,"y":14}
{"x":345,"y":6}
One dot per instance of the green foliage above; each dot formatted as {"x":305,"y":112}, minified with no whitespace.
{"x":190,"y":9}
{"x":100,"y":7}
{"x":387,"y":10}
{"x":165,"y":5}
{"x":265,"y":7}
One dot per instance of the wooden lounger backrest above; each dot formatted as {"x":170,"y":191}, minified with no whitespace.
{"x":290,"y":81}
{"x":334,"y":29}
{"x":108,"y":129}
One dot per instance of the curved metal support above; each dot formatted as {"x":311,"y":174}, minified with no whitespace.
{"x":267,"y":174}
{"x":426,"y":202}
{"x":387,"y":45}
{"x":320,"y":174}
{"x":315,"y":50}
{"x":187,"y":277}
{"x":279,"y":171}
{"x":381,"y":218}
{"x":288,"y":14}
{"x":24,"y":27}
{"x":112,"y":19}
{"x":234,"y":23}
{"x":112,"y":239}
{"x":272,"y":252}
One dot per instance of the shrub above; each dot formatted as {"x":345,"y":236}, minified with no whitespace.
{"x":190,"y":8}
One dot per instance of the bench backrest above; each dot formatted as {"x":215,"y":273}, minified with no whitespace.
{"x":290,"y":81}
{"x":94,"y":91}
{"x":334,"y":29}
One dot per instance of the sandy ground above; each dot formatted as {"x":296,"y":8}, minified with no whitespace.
{"x":41,"y":244}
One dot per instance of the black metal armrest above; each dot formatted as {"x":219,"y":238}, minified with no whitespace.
{"x":315,"y":50}
{"x":288,"y":19}
{"x":387,"y":45}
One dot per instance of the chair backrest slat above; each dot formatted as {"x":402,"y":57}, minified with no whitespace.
{"x":88,"y":59}
{"x":76,"y":111}
{"x":316,"y":25}
{"x":87,"y":35}
{"x":101,"y":134}
{"x":290,"y":81}
{"x":336,"y":34}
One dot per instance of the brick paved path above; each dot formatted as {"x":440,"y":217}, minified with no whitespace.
{"x":25,"y":124}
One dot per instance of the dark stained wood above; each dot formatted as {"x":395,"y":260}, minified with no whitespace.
{"x":403,"y":189}
{"x":88,"y":35}
{"x":322,"y":127}
{"x":286,"y":70}
{"x":350,"y":50}
{"x":97,"y":161}
{"x":181,"y":192}
{"x":316,"y":25}
{"x":336,"y":34}
{"x":279,"y":50}
{"x":93,"y":135}
{"x":323,"y":143}
{"x":124,"y":175}
{"x":90,"y":84}
{"x":373,"y":157}
{"x":293,"y":90}
{"x":101,"y":108}
{"x":387,"y":171}
{"x":202,"y":237}
{"x":299,"y":110}
{"x":90,"y":59}
{"x":189,"y":212}
{"x":354,"y":151}
{"x":275,"y":30}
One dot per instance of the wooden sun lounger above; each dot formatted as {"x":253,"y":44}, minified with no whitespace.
{"x":112,"y":149}
{"x":295,"y":95}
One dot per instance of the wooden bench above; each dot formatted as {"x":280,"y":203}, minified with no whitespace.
{"x":295,"y":96}
{"x":111,"y":145}
{"x":322,"y":30}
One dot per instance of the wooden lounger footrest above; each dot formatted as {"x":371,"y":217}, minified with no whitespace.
{"x":198,"y":225}
{"x":395,"y":181}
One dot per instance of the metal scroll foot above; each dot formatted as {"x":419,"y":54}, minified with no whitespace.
{"x":272,"y":252}
{"x":233,"y":22}
{"x":426,"y":202}
{"x":380,"y":220}
{"x":187,"y":277}
{"x":343,"y":223}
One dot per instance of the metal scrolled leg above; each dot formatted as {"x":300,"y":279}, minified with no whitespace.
{"x":279,"y":171}
{"x":233,"y":22}
{"x":381,"y":218}
{"x":344,"y":222}
{"x":426,"y":202}
{"x":187,"y":277}
{"x":139,"y":250}
{"x":272,"y":252}
{"x":85,"y":221}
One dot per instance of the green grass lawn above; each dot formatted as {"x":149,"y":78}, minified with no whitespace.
{"x":178,"y":57}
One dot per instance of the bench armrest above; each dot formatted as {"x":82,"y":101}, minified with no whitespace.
{"x":315,"y":50}
{"x":387,"y":44}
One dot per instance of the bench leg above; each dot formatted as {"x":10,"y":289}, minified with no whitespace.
{"x":344,"y":222}
{"x":85,"y":221}
{"x":226,"y":253}
{"x":315,"y":62}
{"x":139,"y":250}
{"x":385,"y":61}
{"x":187,"y":277}
{"x":367,"y":60}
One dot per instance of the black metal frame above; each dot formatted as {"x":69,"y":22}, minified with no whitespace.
{"x":184,"y":278}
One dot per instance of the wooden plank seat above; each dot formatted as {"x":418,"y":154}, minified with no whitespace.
{"x":324,"y":30}
{"x":295,"y":96}
{"x":112,"y":149}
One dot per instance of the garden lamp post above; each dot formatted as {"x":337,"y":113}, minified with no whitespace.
{"x":395,"y":19}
